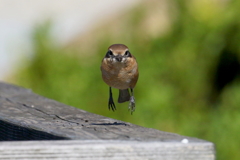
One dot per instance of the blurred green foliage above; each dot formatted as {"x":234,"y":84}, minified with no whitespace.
{"x":176,"y":73}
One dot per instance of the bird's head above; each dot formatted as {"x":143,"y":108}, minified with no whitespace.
{"x":118,"y":53}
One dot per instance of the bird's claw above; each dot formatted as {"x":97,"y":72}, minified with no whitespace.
{"x":111,"y":105}
{"x":131,"y":106}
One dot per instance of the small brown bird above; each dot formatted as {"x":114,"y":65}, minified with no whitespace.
{"x":120,"y":70}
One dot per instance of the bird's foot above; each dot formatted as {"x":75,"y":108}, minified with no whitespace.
{"x":111,"y":105}
{"x":131,"y":106}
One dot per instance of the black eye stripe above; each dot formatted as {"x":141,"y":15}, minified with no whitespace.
{"x":128,"y":54}
{"x":108,"y":54}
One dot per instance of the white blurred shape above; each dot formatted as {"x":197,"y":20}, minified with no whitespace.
{"x":70,"y":17}
{"x":185,"y":141}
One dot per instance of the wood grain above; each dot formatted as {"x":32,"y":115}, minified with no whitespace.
{"x":106,"y":149}
{"x":28,"y":116}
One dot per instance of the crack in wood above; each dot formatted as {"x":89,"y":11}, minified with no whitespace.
{"x":109,"y":124}
{"x":57,"y":116}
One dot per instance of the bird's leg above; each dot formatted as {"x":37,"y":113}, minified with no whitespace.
{"x":111,"y":104}
{"x":131,"y":106}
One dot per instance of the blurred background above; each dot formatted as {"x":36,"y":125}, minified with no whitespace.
{"x":188,"y":54}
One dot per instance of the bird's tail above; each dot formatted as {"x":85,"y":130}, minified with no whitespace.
{"x":123,"y":96}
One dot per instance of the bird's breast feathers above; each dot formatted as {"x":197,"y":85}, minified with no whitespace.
{"x":120,"y":77}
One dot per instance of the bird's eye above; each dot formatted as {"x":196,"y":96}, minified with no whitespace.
{"x":128,"y":54}
{"x":109,"y":53}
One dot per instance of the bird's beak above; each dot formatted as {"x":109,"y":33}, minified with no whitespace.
{"x":119,"y":58}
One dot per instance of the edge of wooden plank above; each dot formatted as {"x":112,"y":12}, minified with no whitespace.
{"x":109,"y":149}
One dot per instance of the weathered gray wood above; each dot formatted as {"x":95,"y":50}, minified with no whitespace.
{"x":107,"y":150}
{"x":23,"y":108}
{"x":28,"y":116}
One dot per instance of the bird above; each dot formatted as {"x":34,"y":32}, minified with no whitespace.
{"x":120,"y":70}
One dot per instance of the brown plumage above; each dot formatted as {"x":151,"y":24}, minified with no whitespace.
{"x":120,"y":70}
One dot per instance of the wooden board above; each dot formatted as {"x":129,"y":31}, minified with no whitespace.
{"x":107,"y":150}
{"x":28,"y":116}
